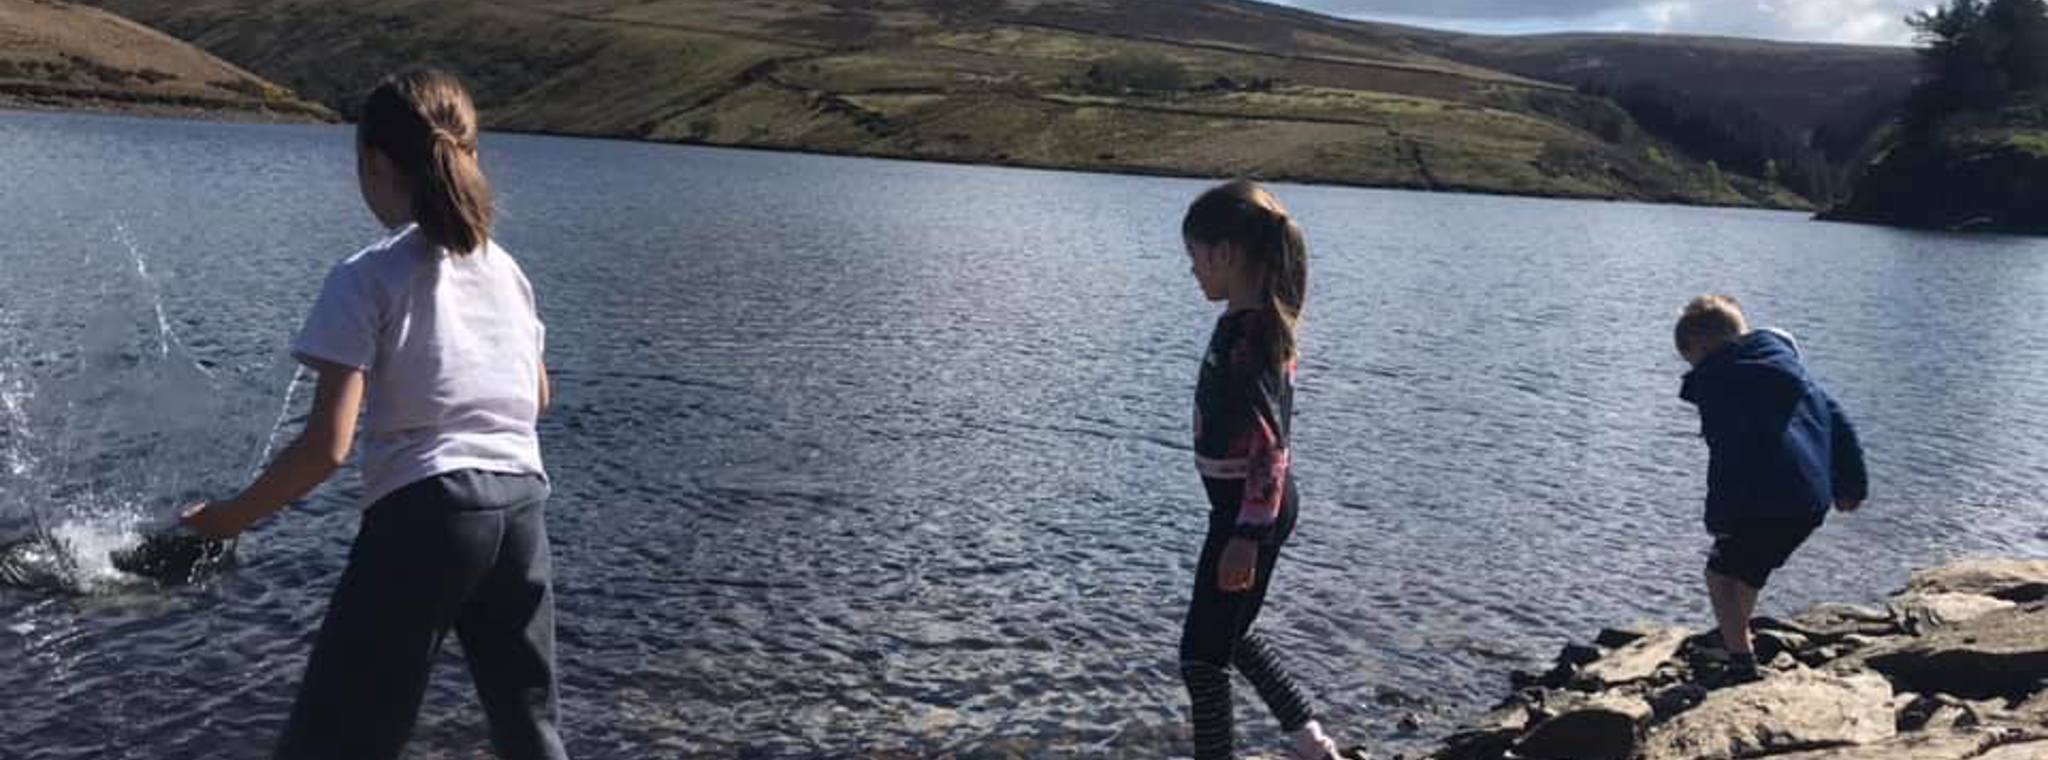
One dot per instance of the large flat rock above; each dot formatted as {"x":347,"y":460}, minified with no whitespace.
{"x":1604,"y":727}
{"x":2014,"y":580}
{"x":1933,"y":745}
{"x":2000,"y":654}
{"x":1634,"y":662}
{"x":1930,"y":610}
{"x":1792,"y":711}
{"x":2033,"y":750}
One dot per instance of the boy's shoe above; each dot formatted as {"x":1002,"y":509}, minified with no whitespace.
{"x":1741,"y":669}
{"x":1719,"y":669}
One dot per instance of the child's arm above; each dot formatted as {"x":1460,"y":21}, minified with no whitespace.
{"x":1852,"y":482}
{"x":547,"y":389}
{"x":319,"y":450}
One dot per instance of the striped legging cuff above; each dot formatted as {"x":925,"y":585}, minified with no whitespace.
{"x":1209,"y":698}
{"x":1259,"y":663}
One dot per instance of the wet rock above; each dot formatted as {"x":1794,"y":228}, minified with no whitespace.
{"x":1936,"y":745}
{"x":1557,"y":677}
{"x":1803,"y":709}
{"x":2019,"y":581}
{"x":1578,"y":654}
{"x":1484,"y":743}
{"x":1771,"y":642}
{"x":1919,"y":712}
{"x":2001,"y":654}
{"x":1637,"y":661}
{"x":1676,"y":699}
{"x":1616,"y":638}
{"x":1605,"y":727}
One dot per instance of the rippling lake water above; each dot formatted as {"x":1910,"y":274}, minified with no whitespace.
{"x":874,"y":459}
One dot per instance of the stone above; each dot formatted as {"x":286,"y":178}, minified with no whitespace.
{"x":1477,"y":744}
{"x":1604,"y":727}
{"x":1924,"y":612}
{"x":2000,"y":654}
{"x":1676,"y":699}
{"x":1578,"y":654}
{"x":1616,"y":638}
{"x":1790,"y":711}
{"x":1831,"y":623}
{"x":1771,"y":642}
{"x":2032,"y":750}
{"x":2019,"y":581}
{"x":1936,"y":745}
{"x":1637,"y":661}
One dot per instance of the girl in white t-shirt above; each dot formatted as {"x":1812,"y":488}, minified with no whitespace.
{"x":432,"y":334}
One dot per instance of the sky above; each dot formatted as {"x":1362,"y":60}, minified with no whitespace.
{"x":1879,"y":22}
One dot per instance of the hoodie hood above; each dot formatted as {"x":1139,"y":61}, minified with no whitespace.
{"x":1762,"y":363}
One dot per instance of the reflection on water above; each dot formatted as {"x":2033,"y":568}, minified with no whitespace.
{"x":871,"y":458}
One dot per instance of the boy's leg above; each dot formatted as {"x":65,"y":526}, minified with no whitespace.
{"x":1734,"y":603}
{"x":409,"y":568}
{"x":1737,"y":572}
{"x":508,"y":633}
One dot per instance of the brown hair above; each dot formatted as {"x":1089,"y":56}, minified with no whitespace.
{"x":424,"y":121}
{"x":1708,"y":322}
{"x":1243,"y":214}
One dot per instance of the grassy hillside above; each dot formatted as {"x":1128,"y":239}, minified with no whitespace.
{"x":63,"y":55}
{"x":1206,"y":87}
{"x":1801,"y":87}
{"x":1983,"y":172}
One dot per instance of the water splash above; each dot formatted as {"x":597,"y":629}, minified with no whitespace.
{"x":284,"y":412}
{"x":166,"y":337}
{"x":100,"y":436}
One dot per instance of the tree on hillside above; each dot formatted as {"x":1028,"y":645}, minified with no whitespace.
{"x":1977,"y":55}
{"x":1730,"y":135}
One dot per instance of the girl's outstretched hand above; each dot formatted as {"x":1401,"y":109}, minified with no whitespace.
{"x":1238,"y":569}
{"x":217,"y":520}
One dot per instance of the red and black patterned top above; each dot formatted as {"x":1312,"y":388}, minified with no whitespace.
{"x":1244,"y":408}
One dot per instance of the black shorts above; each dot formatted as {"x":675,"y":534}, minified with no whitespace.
{"x":1750,"y":556}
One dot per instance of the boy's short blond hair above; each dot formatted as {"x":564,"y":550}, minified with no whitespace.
{"x":1708,"y":323}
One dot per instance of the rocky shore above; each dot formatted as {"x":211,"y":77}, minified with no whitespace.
{"x":1955,"y":666}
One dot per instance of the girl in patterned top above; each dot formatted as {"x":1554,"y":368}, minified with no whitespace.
{"x":1248,"y":253}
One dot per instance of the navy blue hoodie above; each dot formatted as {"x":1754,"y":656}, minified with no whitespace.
{"x":1780,"y":451}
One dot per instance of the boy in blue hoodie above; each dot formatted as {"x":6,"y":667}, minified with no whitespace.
{"x":1780,"y":452}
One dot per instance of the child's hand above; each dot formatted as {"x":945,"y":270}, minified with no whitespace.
{"x":1239,"y":566}
{"x":1848,"y":505}
{"x":215,"y":520}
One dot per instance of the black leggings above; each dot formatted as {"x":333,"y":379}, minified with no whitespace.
{"x":467,"y":551}
{"x":1218,"y":637}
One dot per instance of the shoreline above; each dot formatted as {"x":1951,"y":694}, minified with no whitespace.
{"x":146,"y":107}
{"x":60,"y":100}
{"x":1952,"y":667}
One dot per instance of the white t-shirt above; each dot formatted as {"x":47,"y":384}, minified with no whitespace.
{"x":451,"y":350}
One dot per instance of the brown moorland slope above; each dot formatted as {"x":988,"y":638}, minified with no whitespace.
{"x":1200,"y":87}
{"x":63,"y":55}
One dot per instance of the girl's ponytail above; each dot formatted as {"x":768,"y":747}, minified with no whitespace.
{"x":452,"y":201}
{"x":425,"y":122}
{"x":1243,"y":214}
{"x":1286,"y":279}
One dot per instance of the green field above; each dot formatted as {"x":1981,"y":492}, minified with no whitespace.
{"x":1189,"y":87}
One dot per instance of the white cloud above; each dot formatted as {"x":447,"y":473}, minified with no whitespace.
{"x":1851,"y":21}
